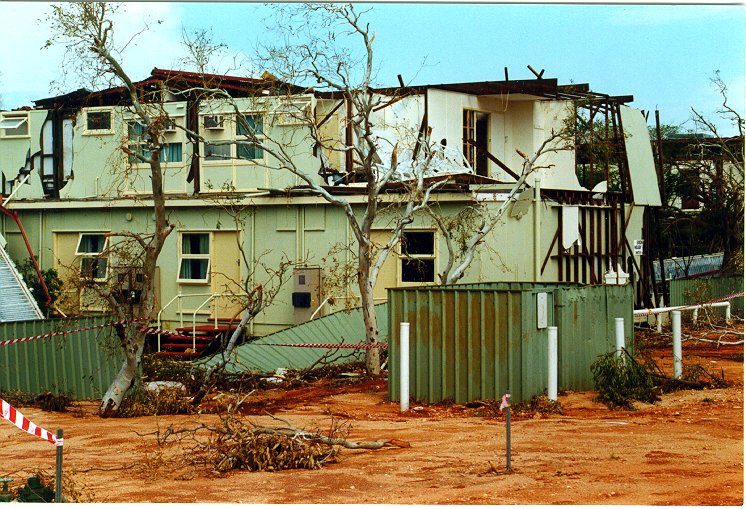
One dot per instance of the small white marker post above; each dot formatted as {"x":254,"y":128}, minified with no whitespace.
{"x":552,"y":368}
{"x":676,"y":331}
{"x":404,"y":366}
{"x":619,"y":333}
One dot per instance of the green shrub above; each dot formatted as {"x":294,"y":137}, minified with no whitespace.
{"x":621,"y":380}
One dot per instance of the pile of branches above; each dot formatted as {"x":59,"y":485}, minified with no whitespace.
{"x":238,"y":444}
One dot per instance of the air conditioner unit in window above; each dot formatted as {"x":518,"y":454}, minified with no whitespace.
{"x":214,"y":121}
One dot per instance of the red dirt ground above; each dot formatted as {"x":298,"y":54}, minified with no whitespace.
{"x":686,"y":449}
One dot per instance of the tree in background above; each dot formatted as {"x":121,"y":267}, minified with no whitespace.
{"x":704,"y":184}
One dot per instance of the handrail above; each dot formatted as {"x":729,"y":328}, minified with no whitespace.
{"x":194,"y":317}
{"x":158,"y":318}
{"x":179,"y":297}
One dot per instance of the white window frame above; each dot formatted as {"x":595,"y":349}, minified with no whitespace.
{"x":228,"y":136}
{"x":93,"y":255}
{"x":403,"y":257}
{"x":135,"y":144}
{"x":194,"y":256}
{"x":94,"y":132}
{"x":294,"y":111}
{"x":17,"y":119}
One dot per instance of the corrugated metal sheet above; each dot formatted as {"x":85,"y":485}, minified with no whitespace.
{"x":82,"y":364}
{"x":696,"y":291}
{"x":16,"y":303}
{"x":339,"y":327}
{"x":472,"y":342}
{"x":585,"y":329}
{"x":688,"y":266}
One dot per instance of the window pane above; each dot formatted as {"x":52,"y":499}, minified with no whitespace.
{"x":98,"y":120}
{"x":91,"y":243}
{"x":171,"y":153}
{"x":217,"y":152}
{"x":249,"y":152}
{"x":135,"y":131}
{"x":195,"y":243}
{"x":193,"y":269}
{"x":93,"y":268}
{"x":253,"y":122}
{"x":14,"y":126}
{"x":414,"y":270}
{"x":418,"y":243}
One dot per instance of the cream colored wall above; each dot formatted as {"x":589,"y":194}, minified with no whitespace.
{"x":285,"y":229}
{"x":13,"y":152}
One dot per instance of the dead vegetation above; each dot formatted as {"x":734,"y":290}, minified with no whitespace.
{"x":236,"y":443}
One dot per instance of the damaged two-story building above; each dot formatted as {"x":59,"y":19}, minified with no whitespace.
{"x":582,"y":215}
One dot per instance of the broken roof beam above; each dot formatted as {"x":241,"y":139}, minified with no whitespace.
{"x":494,"y":159}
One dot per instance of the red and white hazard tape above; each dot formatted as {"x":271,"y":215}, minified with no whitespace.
{"x":328,"y":345}
{"x":649,"y":312}
{"x":23,"y":423}
{"x":72,"y":331}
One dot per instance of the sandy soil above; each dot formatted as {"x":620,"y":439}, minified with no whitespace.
{"x":686,"y":449}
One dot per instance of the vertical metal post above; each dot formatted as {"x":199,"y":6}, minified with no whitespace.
{"x":552,"y":371}
{"x":537,"y":229}
{"x":404,"y":366}
{"x":58,"y":472}
{"x":507,"y":434}
{"x":676,"y":330}
{"x":619,"y":330}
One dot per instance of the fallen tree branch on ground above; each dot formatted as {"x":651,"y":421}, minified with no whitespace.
{"x":235,"y":444}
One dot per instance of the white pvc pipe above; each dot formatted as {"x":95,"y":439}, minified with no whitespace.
{"x":552,"y":372}
{"x":619,"y":334}
{"x":404,"y":366}
{"x":676,"y":330}
{"x":537,"y":229}
{"x":644,"y":312}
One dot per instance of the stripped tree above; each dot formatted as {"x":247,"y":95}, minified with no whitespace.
{"x":86,"y":31}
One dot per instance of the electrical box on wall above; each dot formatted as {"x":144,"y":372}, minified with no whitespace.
{"x":306,"y":297}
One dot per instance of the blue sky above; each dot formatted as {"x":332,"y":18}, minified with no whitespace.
{"x":664,"y":55}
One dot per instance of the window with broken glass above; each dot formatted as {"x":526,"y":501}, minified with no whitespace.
{"x":93,"y":257}
{"x":476,"y":140}
{"x":418,"y":257}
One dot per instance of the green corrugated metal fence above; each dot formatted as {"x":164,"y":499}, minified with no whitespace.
{"x":475,"y":341}
{"x":339,"y":327}
{"x":82,"y":363}
{"x":695,"y":291}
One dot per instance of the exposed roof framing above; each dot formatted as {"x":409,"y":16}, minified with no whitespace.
{"x":177,"y":80}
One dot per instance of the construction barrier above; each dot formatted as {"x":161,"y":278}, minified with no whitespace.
{"x":21,"y":422}
{"x":358,"y":346}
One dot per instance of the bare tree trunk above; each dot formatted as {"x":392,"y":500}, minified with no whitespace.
{"x":114,"y":395}
{"x":365,"y":284}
